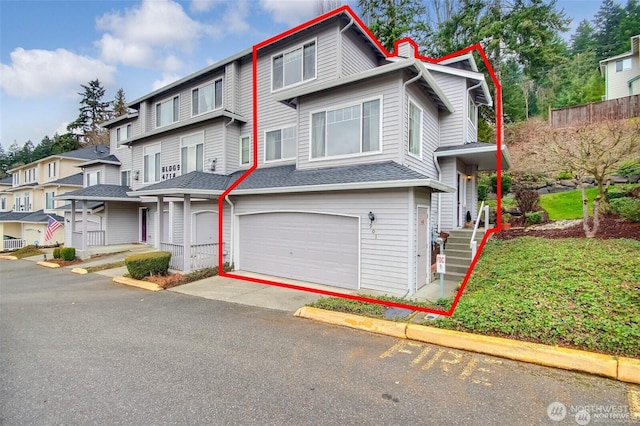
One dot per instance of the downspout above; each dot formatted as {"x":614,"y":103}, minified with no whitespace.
{"x":435,"y":162}
{"x":468,"y":93}
{"x":231,"y":221}
{"x":404,"y":103}
{"x":340,"y":47}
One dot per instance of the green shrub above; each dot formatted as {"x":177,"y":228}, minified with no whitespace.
{"x":627,"y":207}
{"x":56,"y":253}
{"x":505,"y":180}
{"x":483,"y":190}
{"x":629,"y":168}
{"x":533,"y":217}
{"x":145,"y":264}
{"x":68,"y":253}
{"x":527,"y":200}
{"x":564,"y":175}
{"x":614,"y":193}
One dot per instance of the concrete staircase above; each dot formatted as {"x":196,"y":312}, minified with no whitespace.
{"x":458,"y":252}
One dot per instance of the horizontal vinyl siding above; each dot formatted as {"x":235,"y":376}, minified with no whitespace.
{"x":232,"y":149}
{"x":386,"y":87}
{"x":452,"y":125}
{"x":121,"y":223}
{"x":384,"y":254}
{"x":111,"y":175}
{"x":430,"y":133}
{"x":356,"y":56}
{"x":448,"y":201}
{"x":618,"y":82}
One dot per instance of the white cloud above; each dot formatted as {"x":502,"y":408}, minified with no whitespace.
{"x":166,"y":79}
{"x":204,"y":5}
{"x":40,"y":73}
{"x":61,"y":129}
{"x":291,"y":12}
{"x":147,"y":35}
{"x":235,"y":17}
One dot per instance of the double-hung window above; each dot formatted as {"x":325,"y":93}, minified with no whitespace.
{"x":125,"y":178}
{"x":27,"y":201}
{"x":3,"y":203}
{"x":151,"y":163}
{"x":16,"y":179}
{"x":206,"y":98}
{"x":415,"y":129}
{"x":245,"y":150}
{"x":48,"y":200}
{"x":123,"y":133}
{"x":18,"y":206}
{"x":294,"y":66}
{"x":52,"y":169}
{"x":280,"y":144}
{"x":623,"y":65}
{"x":473,"y":112}
{"x":192,"y":153}
{"x":167,"y":112}
{"x":93,"y":178}
{"x":345,"y":131}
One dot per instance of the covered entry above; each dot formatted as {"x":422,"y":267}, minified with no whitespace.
{"x":319,"y":248}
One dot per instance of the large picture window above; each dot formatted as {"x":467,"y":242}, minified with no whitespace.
{"x":351,"y":130}
{"x":294,"y":66}
{"x":415,"y":128}
{"x":192,"y":153}
{"x":152,"y":164}
{"x":206,"y":98}
{"x":280,"y":144}
{"x":167,"y":112}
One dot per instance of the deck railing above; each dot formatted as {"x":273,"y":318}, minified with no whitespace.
{"x":94,"y":238}
{"x":14,"y":244}
{"x":201,"y":255}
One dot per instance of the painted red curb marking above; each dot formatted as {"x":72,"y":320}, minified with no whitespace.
{"x":254,"y":165}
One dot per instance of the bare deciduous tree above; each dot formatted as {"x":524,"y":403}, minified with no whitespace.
{"x":594,"y":150}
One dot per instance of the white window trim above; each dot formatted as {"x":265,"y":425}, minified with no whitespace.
{"x":250,"y":149}
{"x":279,"y":160}
{"x":182,"y":145}
{"x":159,"y":145}
{"x":119,"y":129}
{"x":622,"y":62}
{"x":291,"y":49}
{"x":155,"y":111}
{"x":55,"y":169}
{"x":214,"y":96}
{"x":409,"y":102}
{"x":470,"y":101}
{"x":130,"y":176}
{"x":340,"y":106}
{"x":52,"y":200}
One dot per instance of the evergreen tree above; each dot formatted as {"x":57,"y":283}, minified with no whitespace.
{"x":607,"y":23}
{"x":120,"y":104}
{"x":584,"y":38}
{"x":629,"y":24}
{"x":93,"y":111}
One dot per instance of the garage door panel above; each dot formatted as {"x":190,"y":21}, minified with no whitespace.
{"x":310,"y":247}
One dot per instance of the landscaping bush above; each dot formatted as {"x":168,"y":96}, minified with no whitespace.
{"x":56,"y":253}
{"x":505,"y":180}
{"x":527,"y":200}
{"x":614,"y":193}
{"x":564,"y":175}
{"x":629,"y":169}
{"x":145,"y":264}
{"x":533,"y":218}
{"x":68,"y":253}
{"x":483,"y":190}
{"x":627,"y":207}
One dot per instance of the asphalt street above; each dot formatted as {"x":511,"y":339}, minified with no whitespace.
{"x":79,"y":349}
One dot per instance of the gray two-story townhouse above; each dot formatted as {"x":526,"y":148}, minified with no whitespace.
{"x":359,"y":157}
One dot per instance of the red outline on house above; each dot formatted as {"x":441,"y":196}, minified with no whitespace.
{"x":221,"y":199}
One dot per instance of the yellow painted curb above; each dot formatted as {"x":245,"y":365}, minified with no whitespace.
{"x":8,"y":257}
{"x":79,"y":271}
{"x":389,"y":328}
{"x":535,"y":353}
{"x":48,"y":264}
{"x":629,"y":370}
{"x":624,"y":369}
{"x":137,"y":283}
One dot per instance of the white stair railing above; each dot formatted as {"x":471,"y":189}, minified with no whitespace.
{"x":474,"y":244}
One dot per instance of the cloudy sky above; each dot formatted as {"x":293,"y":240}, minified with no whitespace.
{"x":49,"y":48}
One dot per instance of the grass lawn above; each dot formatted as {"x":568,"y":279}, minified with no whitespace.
{"x":583,"y":293}
{"x":567,"y":205}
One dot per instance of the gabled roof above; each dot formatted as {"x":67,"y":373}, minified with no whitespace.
{"x":7,"y":181}
{"x":635,"y":46}
{"x":280,"y":179}
{"x":72,"y":180}
{"x":88,"y":153}
{"x":99,"y":193}
{"x":110,"y":159}
{"x":429,"y":84}
{"x":122,"y":118}
{"x":38,"y":216}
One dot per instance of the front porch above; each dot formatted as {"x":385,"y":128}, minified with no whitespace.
{"x":200,"y":256}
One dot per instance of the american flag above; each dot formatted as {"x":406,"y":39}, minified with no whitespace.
{"x":52,"y":225}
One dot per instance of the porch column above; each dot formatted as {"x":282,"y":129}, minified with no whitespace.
{"x":84,"y":226}
{"x":73,"y":219}
{"x":186,"y":211}
{"x":159,"y":219}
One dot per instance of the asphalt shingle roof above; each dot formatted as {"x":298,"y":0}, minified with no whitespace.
{"x":98,"y":191}
{"x":193,"y":180}
{"x":6,"y":181}
{"x":76,"y":179}
{"x":89,"y":153}
{"x":38,"y":216}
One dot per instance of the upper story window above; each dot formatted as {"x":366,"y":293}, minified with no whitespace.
{"x":3,"y":203}
{"x":125,"y":178}
{"x":167,"y":112}
{"x":623,"y":65}
{"x":123,"y":133}
{"x":93,"y":178}
{"x":31,"y":175}
{"x":280,"y":144}
{"x":344,"y":131}
{"x":52,"y":169}
{"x":16,"y":179}
{"x":152,"y":163}
{"x":415,"y":129}
{"x":26,"y":206}
{"x":18,"y":203}
{"x":294,"y":66}
{"x":473,"y":112}
{"x":206,"y":98}
{"x":192,"y":153}
{"x":48,"y":200}
{"x":245,"y":150}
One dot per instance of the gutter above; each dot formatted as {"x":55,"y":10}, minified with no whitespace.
{"x":231,"y":236}
{"x":468,"y":94}
{"x":340,"y":46}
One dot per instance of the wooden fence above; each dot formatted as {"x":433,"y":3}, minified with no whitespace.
{"x":615,"y":109}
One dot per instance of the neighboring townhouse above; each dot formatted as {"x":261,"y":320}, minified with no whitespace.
{"x":622,"y":72}
{"x":29,"y":200}
{"x":361,"y":158}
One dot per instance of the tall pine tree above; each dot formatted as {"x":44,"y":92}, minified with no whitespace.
{"x":93,"y":111}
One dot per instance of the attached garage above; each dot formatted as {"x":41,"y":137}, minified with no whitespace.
{"x":319,"y":248}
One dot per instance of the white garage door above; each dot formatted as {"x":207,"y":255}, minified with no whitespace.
{"x":304,"y":246}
